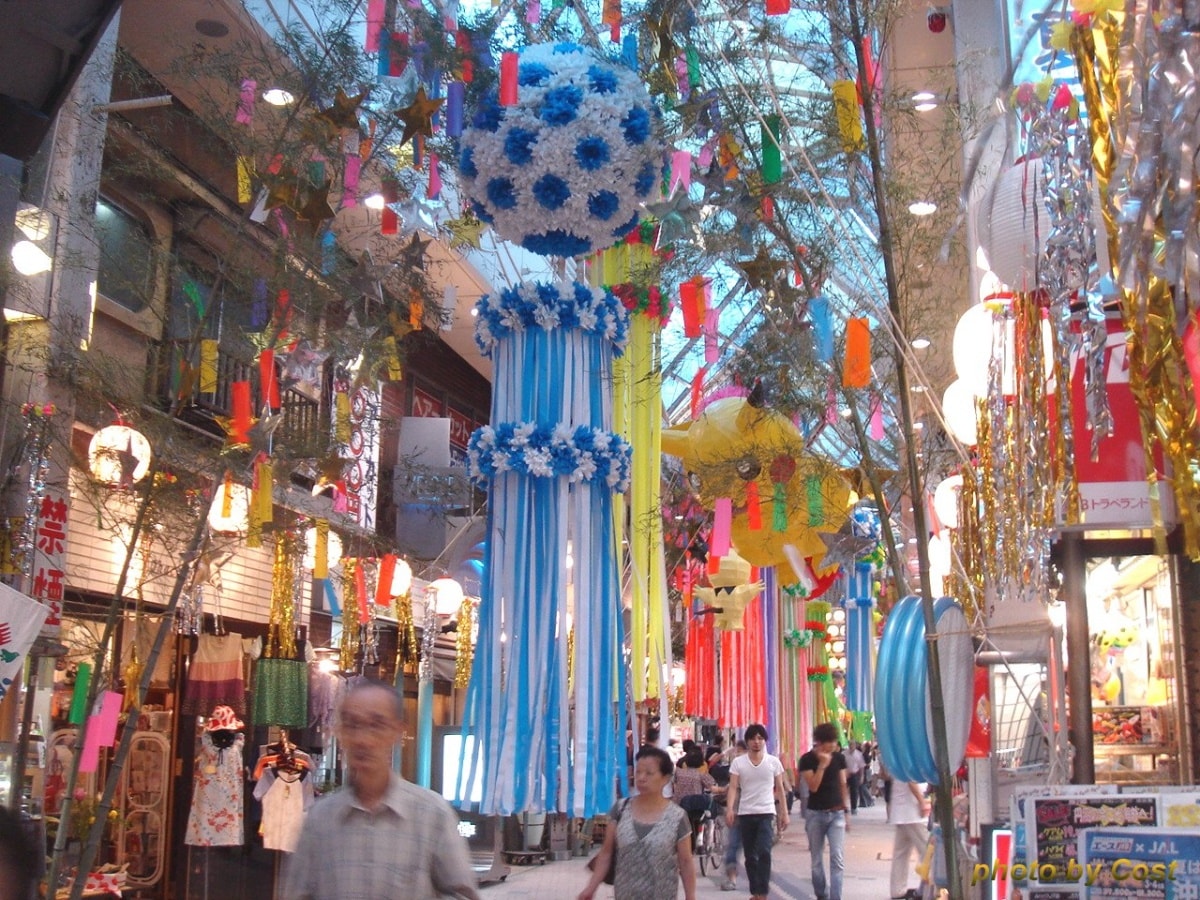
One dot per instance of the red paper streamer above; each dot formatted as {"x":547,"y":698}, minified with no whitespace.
{"x":389,"y":222}
{"x":778,"y":7}
{"x":268,"y":380}
{"x":462,"y":40}
{"x":239,"y":401}
{"x":691,"y":311}
{"x":383,"y":587}
{"x":718,"y":542}
{"x":753,"y":508}
{"x":856,"y":371}
{"x":360,"y":588}
{"x":398,"y":54}
{"x":697,"y":391}
{"x":508,"y":78}
{"x":1191,"y":353}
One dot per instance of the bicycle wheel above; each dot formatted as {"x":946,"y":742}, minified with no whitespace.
{"x":703,"y":837}
{"x":716,"y":844}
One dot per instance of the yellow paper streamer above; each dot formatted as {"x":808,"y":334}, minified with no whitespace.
{"x":245,"y":168}
{"x":341,"y":431}
{"x":262,"y":506}
{"x":209,"y":353}
{"x":321,"y":550}
{"x":845,"y":104}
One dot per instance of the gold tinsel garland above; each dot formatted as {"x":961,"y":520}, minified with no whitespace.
{"x":1167,"y":412}
{"x":464,"y":648}
{"x":406,"y":633}
{"x":281,"y":633}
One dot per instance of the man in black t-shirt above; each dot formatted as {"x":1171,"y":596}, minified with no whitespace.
{"x":823,"y":769}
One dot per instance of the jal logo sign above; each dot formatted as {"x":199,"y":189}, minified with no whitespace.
{"x":1113,"y":487}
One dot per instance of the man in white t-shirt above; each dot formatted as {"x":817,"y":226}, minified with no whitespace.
{"x":908,"y":811}
{"x":756,"y":793}
{"x":854,"y":774}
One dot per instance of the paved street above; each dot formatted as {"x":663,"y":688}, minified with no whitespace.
{"x":868,"y":862}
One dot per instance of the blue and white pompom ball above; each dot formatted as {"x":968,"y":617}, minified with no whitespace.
{"x":563,"y":171}
{"x":865,"y":522}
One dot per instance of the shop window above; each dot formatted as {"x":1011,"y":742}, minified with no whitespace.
{"x":126,"y":268}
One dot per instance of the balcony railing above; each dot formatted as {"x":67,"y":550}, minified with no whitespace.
{"x":305,"y":421}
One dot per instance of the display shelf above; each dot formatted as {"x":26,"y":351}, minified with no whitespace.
{"x":144,"y":805}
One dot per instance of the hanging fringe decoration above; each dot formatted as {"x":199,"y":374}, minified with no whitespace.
{"x":406,"y":633}
{"x":860,"y":601}
{"x":281,"y":632}
{"x":464,"y":649}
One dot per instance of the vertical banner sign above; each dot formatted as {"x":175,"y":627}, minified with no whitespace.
{"x":362,"y":451}
{"x":49,"y":550}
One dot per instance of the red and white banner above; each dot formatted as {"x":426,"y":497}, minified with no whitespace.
{"x":21,"y":619}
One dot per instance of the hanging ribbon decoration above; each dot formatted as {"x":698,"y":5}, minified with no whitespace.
{"x":860,"y":601}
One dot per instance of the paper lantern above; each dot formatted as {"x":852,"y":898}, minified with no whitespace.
{"x":333,"y":548}
{"x":972,"y":346}
{"x":230,"y":510}
{"x":945,"y":500}
{"x":119,"y":456}
{"x":401,"y":578}
{"x":958,"y":409}
{"x":1013,"y":224}
{"x":448,"y":596}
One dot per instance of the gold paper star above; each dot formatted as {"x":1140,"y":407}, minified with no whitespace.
{"x":281,"y":191}
{"x":344,"y":112}
{"x":316,"y":208}
{"x":663,"y":44}
{"x":418,"y":115}
{"x":762,"y":270}
{"x":466,"y":231}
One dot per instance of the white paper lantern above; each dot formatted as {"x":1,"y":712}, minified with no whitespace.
{"x":958,"y":408}
{"x":971,"y":347}
{"x":1013,"y":224}
{"x":448,"y":596}
{"x":401,"y":578}
{"x":119,"y":456}
{"x":945,"y":500}
{"x":232,"y":517}
{"x":333,"y":548}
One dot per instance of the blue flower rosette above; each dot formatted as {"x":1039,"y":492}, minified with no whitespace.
{"x":563,"y":172}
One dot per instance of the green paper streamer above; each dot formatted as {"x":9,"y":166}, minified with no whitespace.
{"x":779,"y":508}
{"x":772,"y":157}
{"x":83,"y":679}
{"x":193,"y":294}
{"x":816,"y":501}
{"x":693,"y":68}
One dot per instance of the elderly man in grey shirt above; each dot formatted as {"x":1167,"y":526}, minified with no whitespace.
{"x":380,"y":838}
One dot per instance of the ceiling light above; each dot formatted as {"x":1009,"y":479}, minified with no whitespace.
{"x":278,"y":97}
{"x":918,"y":426}
{"x":846,"y":413}
{"x":375,"y":201}
{"x":924,"y":101}
{"x":918,"y":389}
{"x":920,"y":343}
{"x":212,"y":28}
{"x":30,"y":259}
{"x":922,"y":208}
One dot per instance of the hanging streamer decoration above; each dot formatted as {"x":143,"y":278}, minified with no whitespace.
{"x":859,"y":603}
{"x":545,"y":742}
{"x":36,"y":462}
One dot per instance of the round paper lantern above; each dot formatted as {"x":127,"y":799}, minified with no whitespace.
{"x":945,"y":500}
{"x":971,"y":347}
{"x":448,"y":596}
{"x":230,"y":510}
{"x":563,"y":171}
{"x":1013,"y":224}
{"x":958,"y":409}
{"x":119,"y":456}
{"x":333,"y":548}
{"x":401,"y":578}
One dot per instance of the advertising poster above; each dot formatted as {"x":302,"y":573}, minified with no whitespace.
{"x":1059,"y":821}
{"x":1141,"y":863}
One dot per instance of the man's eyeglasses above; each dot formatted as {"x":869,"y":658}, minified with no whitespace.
{"x":375,"y":725}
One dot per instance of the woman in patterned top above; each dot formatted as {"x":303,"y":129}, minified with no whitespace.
{"x":692,"y":788}
{"x":651,"y":837}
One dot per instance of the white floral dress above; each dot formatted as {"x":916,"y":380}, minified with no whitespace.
{"x":215,"y":819}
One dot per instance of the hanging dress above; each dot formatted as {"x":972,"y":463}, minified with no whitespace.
{"x":215,"y":676}
{"x":215,"y":819}
{"x":286,"y":797}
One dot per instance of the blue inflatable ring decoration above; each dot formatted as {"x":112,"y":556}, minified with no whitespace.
{"x":564,"y":171}
{"x":904,"y":722}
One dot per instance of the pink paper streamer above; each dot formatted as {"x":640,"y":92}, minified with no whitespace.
{"x":108,"y":717}
{"x":831,"y":408}
{"x":89,"y":758}
{"x":681,"y":170}
{"x":712,"y":322}
{"x":350,"y":180}
{"x":435,"y":178}
{"x":718,"y":544}
{"x":704,"y":160}
{"x":877,"y":419}
{"x":533,"y":12}
{"x":375,"y":15}
{"x":245,"y":107}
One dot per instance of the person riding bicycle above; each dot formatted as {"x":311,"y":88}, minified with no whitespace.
{"x":691,"y":788}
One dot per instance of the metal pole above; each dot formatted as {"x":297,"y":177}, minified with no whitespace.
{"x":1079,"y":676}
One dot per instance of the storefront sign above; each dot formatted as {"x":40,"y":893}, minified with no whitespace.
{"x":361,"y":473}
{"x":1141,"y":863}
{"x":49,"y":550}
{"x":425,"y":404}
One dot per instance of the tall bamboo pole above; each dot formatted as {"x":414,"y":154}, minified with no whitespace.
{"x":941,"y":752}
